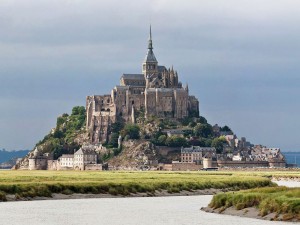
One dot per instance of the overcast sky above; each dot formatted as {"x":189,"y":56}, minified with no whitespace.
{"x":240,"y":58}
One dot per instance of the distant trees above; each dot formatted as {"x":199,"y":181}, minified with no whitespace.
{"x":226,"y":128}
{"x":61,"y":140}
{"x":175,"y":141}
{"x":218,"y":143}
{"x":203,"y":130}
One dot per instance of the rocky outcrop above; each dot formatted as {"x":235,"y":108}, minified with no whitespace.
{"x":135,"y":155}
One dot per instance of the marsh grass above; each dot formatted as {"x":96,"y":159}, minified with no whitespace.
{"x":279,"y":200}
{"x":29,"y":184}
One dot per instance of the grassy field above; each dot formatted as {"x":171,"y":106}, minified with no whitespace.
{"x":45,"y":183}
{"x":283,"y":201}
{"x":267,"y":173}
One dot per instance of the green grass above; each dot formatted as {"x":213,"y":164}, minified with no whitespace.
{"x":282,"y":201}
{"x":45,"y":183}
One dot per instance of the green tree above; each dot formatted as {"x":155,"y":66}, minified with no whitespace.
{"x":202,"y":120}
{"x":218,"y":143}
{"x":203,"y":130}
{"x":192,"y":124}
{"x":132,"y":130}
{"x":175,"y":141}
{"x":117,"y":127}
{"x":114,"y":140}
{"x":78,"y":110}
{"x":162,"y":140}
{"x":226,"y":128}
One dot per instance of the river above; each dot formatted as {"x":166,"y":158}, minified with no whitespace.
{"x":181,"y":210}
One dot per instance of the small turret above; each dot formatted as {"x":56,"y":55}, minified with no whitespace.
{"x":35,"y":152}
{"x":187,"y":87}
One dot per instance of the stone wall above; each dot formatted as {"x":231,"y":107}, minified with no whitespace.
{"x":186,"y":167}
{"x":165,"y":150}
{"x":52,"y":165}
{"x":93,"y":167}
{"x":242,"y":164}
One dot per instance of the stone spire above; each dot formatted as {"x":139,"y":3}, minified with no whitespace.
{"x":150,"y":68}
{"x":150,"y":57}
{"x":150,"y":40}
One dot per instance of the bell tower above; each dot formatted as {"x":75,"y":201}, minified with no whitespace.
{"x":150,"y":69}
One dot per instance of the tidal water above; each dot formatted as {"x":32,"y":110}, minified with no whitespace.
{"x":182,"y":210}
{"x":292,"y":157}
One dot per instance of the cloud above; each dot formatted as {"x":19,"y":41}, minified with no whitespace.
{"x":239,"y":57}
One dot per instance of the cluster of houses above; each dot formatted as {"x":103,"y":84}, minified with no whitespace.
{"x":237,"y":153}
{"x":86,"y":158}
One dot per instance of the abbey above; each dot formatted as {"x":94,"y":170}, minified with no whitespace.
{"x":157,"y":91}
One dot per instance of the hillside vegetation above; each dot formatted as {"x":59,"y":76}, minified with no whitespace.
{"x":64,"y":138}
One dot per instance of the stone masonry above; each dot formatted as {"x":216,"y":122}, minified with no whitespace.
{"x":155,"y":92}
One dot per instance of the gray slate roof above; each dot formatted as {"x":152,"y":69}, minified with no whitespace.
{"x":85,"y":151}
{"x":150,"y":57}
{"x":67,"y":156}
{"x":161,"y":68}
{"x":198,"y":149}
{"x":133,"y":76}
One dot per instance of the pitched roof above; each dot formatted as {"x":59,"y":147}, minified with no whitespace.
{"x":161,"y":68}
{"x":133,"y":76}
{"x":67,"y":156}
{"x":150,"y":57}
{"x":85,"y":150}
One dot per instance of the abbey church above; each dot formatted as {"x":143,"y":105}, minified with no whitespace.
{"x":157,"y":91}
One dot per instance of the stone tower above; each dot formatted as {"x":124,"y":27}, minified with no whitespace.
{"x":150,"y":68}
{"x":156,"y":91}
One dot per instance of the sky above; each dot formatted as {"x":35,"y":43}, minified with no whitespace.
{"x":239,"y":57}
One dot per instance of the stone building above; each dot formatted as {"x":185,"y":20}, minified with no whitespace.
{"x":195,"y":154}
{"x":37,"y":161}
{"x":66,"y":162}
{"x":84,"y":157}
{"x":157,"y":91}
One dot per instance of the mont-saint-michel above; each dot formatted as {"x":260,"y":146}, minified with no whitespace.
{"x":177,"y":124}
{"x":148,"y":122}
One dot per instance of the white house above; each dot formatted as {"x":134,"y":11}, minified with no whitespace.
{"x":83,"y":157}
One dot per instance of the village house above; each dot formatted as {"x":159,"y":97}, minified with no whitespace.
{"x":66,"y":162}
{"x":195,"y":154}
{"x":84,"y":157}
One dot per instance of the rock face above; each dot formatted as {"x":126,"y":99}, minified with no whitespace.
{"x":135,"y":155}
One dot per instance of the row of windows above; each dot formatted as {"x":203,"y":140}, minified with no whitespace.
{"x":149,"y":67}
